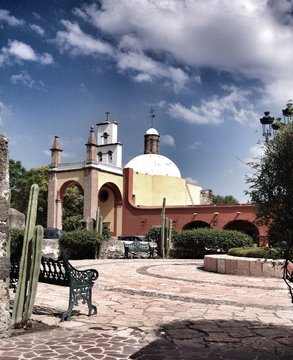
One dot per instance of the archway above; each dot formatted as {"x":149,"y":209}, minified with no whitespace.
{"x":196,"y":225}
{"x":72,"y":201}
{"x":110,"y":204}
{"x":244,"y":226}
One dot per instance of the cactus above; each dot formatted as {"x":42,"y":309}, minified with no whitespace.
{"x":170,"y":228}
{"x":29,"y":263}
{"x":99,"y":230}
{"x":34,"y":269}
{"x":163,"y":226}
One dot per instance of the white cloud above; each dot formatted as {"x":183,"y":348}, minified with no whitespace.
{"x":236,"y":105}
{"x":38,"y":29}
{"x":167,"y":140}
{"x":142,"y":77}
{"x":255,"y":152}
{"x":192,"y":181}
{"x":245,"y":37}
{"x":195,"y":145}
{"x":23,"y":52}
{"x":74,"y":40}
{"x":9,"y":19}
{"x":4,"y":113}
{"x":148,"y":68}
{"x":25,"y":79}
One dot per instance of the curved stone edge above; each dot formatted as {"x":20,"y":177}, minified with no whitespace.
{"x":235,"y":265}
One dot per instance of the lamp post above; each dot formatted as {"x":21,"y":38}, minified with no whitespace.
{"x":267,"y":122}
{"x":270,"y":123}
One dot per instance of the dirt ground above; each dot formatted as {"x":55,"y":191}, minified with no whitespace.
{"x":30,"y":326}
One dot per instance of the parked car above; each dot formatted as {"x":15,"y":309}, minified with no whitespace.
{"x":132,"y":238}
{"x":52,"y":233}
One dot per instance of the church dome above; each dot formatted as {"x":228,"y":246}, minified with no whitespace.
{"x":154,"y":164}
{"x":152,"y":131}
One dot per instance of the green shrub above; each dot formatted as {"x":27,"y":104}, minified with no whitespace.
{"x":196,"y":243}
{"x":154,"y":234}
{"x":16,"y":241}
{"x":257,"y":252}
{"x":80,"y":244}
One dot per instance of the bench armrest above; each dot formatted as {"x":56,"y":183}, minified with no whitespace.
{"x":82,"y":277}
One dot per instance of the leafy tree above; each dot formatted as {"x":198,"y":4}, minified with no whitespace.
{"x":271,"y":185}
{"x":21,"y":181}
{"x":225,"y":200}
{"x":72,"y":209}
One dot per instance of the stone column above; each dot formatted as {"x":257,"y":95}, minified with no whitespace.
{"x":4,"y":227}
{"x":90,"y":193}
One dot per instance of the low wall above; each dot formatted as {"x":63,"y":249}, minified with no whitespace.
{"x":234,"y":265}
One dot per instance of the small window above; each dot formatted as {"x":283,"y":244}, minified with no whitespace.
{"x":110,"y":156}
{"x":105,"y":136}
{"x":100,"y":156}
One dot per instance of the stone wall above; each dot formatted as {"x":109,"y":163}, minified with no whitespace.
{"x":4,"y":226}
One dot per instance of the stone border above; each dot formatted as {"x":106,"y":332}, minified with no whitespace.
{"x":235,"y":265}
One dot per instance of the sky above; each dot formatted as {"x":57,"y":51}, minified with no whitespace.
{"x":208,"y":69}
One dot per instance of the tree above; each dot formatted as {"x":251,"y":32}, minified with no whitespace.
{"x":21,"y":181}
{"x":271,"y":185}
{"x":225,"y":200}
{"x":72,"y":209}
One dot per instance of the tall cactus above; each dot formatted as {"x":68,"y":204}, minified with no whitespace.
{"x":29,"y":263}
{"x":37,"y":241}
{"x":99,"y":230}
{"x":170,"y":228}
{"x":163,"y":227}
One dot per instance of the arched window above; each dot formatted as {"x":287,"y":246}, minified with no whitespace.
{"x":110,"y":156}
{"x":105,"y":136}
{"x":100,"y":156}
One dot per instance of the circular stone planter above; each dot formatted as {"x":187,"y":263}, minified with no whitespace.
{"x":235,"y":265}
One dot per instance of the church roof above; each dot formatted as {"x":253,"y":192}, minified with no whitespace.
{"x":154,"y":164}
{"x":152,"y":131}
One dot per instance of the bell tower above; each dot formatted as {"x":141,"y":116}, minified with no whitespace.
{"x":109,"y":149}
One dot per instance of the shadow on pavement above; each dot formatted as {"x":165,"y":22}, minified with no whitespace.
{"x":219,"y":339}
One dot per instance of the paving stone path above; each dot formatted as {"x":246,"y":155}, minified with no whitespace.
{"x":163,"y":309}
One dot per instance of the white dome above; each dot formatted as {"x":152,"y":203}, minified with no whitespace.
{"x":154,"y":164}
{"x":152,"y":131}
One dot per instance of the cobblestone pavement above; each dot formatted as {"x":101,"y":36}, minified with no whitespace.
{"x":163,"y":309}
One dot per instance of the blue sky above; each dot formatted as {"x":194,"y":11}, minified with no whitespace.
{"x":209,"y":69}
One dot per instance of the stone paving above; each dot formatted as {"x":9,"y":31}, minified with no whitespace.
{"x":163,"y":309}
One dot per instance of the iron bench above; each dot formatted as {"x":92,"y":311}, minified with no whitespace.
{"x":136,"y":247}
{"x":61,"y":272}
{"x":288,"y":275}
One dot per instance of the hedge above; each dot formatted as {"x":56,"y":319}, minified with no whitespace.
{"x":257,"y":252}
{"x":196,"y":243}
{"x":80,"y":244}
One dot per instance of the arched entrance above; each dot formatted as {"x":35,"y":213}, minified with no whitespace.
{"x":196,"y":225}
{"x":71,"y":200}
{"x":244,"y":226}
{"x":110,"y":204}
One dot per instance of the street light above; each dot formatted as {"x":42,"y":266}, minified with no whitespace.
{"x":270,"y":123}
{"x":267,"y":122}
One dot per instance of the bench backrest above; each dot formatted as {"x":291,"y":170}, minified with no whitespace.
{"x":137,"y":246}
{"x":55,"y":272}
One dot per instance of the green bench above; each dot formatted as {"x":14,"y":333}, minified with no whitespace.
{"x":134,"y":248}
{"x":61,"y":272}
{"x":288,"y":274}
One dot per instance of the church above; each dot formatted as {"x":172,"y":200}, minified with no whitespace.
{"x":130,"y":197}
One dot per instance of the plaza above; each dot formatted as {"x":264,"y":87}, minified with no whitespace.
{"x":162,"y":309}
